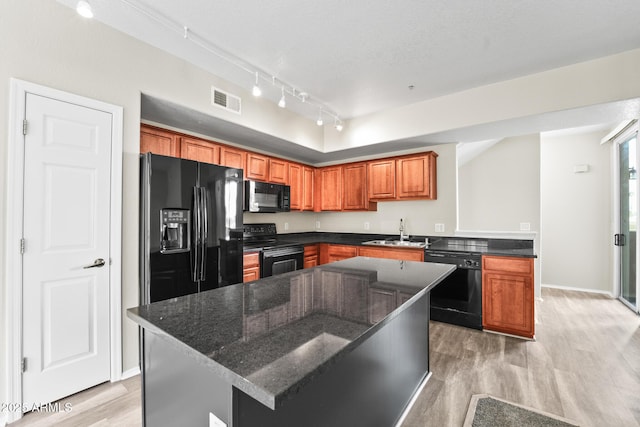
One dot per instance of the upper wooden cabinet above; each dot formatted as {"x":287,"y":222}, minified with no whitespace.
{"x":308,"y":188}
{"x":354,"y":189}
{"x":508,"y":295}
{"x":158,"y":141}
{"x":257,"y":167}
{"x":232,"y":157}
{"x":345,"y":187}
{"x":406,"y":177}
{"x":199,"y":150}
{"x":382,"y":179}
{"x":278,"y":171}
{"x":330,"y":184}
{"x":416,"y":177}
{"x":295,"y":182}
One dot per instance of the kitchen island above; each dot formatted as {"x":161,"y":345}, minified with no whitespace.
{"x":342,"y":344}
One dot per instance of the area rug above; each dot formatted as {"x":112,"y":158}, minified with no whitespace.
{"x":489,"y":411}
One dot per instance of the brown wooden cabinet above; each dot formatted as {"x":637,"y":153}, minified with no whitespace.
{"x":330,"y":188}
{"x":199,"y":150}
{"x":250,"y":266}
{"x":508,"y":295}
{"x":330,"y":253}
{"x":416,"y":177}
{"x":347,"y":187}
{"x":158,"y":141}
{"x":382,"y":179}
{"x":392,"y":253}
{"x":406,"y":177}
{"x":311,"y":253}
{"x":257,"y":167}
{"x":278,"y":171}
{"x":232,"y":157}
{"x":296,"y":184}
{"x":354,"y":193}
{"x":308,"y":188}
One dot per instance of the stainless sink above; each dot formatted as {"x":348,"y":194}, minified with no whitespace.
{"x":395,"y":243}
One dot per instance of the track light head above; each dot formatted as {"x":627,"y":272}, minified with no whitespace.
{"x":256,"y":91}
{"x":84,"y":9}
{"x":320,"y":122}
{"x":283,"y":102}
{"x":339,"y":126}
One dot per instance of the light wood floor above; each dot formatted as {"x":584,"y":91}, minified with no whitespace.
{"x":584,"y":365}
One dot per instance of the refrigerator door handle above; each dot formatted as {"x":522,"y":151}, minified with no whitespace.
{"x":195,"y":274}
{"x":205,"y":232}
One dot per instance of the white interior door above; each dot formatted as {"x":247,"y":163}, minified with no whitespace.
{"x":66,"y":228}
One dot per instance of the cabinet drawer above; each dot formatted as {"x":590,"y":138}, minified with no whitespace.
{"x":251,"y":260}
{"x":508,"y":264}
{"x":337,"y":250}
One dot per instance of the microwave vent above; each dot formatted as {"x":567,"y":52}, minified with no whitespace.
{"x":226,"y":100}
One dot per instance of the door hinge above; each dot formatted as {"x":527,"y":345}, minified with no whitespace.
{"x":23,"y":364}
{"x":24,"y":127}
{"x":22,"y":245}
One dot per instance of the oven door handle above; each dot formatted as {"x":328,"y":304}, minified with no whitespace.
{"x":274,"y":253}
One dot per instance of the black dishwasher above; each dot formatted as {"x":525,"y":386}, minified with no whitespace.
{"x":458,"y":298}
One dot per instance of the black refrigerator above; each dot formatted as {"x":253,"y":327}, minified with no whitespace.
{"x":190,"y":227}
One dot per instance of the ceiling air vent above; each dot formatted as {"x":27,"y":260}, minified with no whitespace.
{"x":226,"y":100}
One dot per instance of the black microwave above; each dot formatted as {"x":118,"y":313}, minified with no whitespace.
{"x":266,"y":197}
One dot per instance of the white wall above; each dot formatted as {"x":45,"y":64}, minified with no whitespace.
{"x":576,"y":222}
{"x":500,"y":188}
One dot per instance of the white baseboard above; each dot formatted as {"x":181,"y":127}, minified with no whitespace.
{"x":130,"y":373}
{"x":573,"y":288}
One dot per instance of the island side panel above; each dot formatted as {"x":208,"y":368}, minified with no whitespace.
{"x":177,"y":389}
{"x":371,"y":386}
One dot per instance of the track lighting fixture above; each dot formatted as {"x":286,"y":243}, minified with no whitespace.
{"x":256,"y":91}
{"x":84,"y":9}
{"x":286,"y":90}
{"x":338,"y":125}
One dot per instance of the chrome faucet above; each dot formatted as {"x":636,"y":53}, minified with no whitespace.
{"x":403,"y":236}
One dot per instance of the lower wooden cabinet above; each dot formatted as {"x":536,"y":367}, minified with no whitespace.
{"x":392,"y":253}
{"x":250,"y":267}
{"x":508,"y":295}
{"x":310,"y":256}
{"x":331,"y":253}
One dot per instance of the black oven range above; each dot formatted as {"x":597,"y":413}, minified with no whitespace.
{"x":276,"y":256}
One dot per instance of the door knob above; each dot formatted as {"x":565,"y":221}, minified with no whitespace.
{"x":97,"y":263}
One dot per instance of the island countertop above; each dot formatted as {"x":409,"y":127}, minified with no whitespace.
{"x":270,"y":337}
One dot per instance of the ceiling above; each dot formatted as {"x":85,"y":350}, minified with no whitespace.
{"x":362,"y":56}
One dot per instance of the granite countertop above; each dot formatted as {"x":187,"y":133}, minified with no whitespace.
{"x":272,"y":336}
{"x":484,"y":246}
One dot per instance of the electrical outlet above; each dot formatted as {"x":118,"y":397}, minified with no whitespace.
{"x":318,"y":225}
{"x":439,"y":228}
{"x":367,"y":225}
{"x":525,"y":226}
{"x":286,"y":225}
